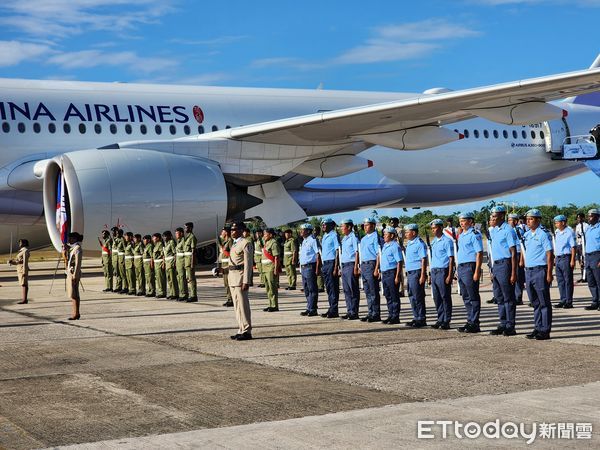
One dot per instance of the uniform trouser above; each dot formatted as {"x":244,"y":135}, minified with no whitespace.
{"x":520,"y":284}
{"x":181,"y":279}
{"x":290,"y":270}
{"x":116,"y":274}
{"x":564,"y":278}
{"x":149,"y":273}
{"x":139,"y":275}
{"x":469,"y":290}
{"x":190,"y":275}
{"x":371,"y":287}
{"x":442,"y":296}
{"x":130,"y":271}
{"x":271,"y":285}
{"x":416,"y":293}
{"x":171,"y":281}
{"x":391,"y":292}
{"x":159,"y":279}
{"x":332,"y":285}
{"x":259,"y":269}
{"x":538,"y":291}
{"x":226,"y":284}
{"x":241,"y":305}
{"x":108,"y":271}
{"x":351,"y":288}
{"x":72,"y":286}
{"x":123,"y":273}
{"x":593,"y":275}
{"x":320,"y":282}
{"x":504,"y":292}
{"x":309,"y":283}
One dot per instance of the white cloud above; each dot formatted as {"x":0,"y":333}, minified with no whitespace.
{"x":15,"y":52}
{"x":380,"y":50}
{"x":425,"y":30}
{"x":95,"y":58}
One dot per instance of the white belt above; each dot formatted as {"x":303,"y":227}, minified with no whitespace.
{"x":266,"y":261}
{"x":137,"y":256}
{"x":258,"y":253}
{"x":169,"y":258}
{"x":105,"y":253}
{"x":224,"y":260}
{"x":120,"y":253}
{"x":180,"y":254}
{"x":157,"y":260}
{"x":288,"y":253}
{"x":147,"y":259}
{"x":188,"y":253}
{"x":129,"y":257}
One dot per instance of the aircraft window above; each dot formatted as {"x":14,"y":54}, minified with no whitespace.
{"x":524,"y":134}
{"x":67,"y":128}
{"x":215,"y":128}
{"x":6,"y":127}
{"x":541,"y":135}
{"x":172,"y":129}
{"x":186,"y":129}
{"x":158,"y":129}
{"x":532,"y":134}
{"x":486,"y":134}
{"x":98,"y":128}
{"x":36,"y":127}
{"x":200,"y":129}
{"x":515,"y":134}
{"x":128,"y":129}
{"x":21,"y":127}
{"x":476,"y":133}
{"x":113,"y":128}
{"x":143,"y":129}
{"x":496,"y":134}
{"x":228,"y":127}
{"x":466,"y":133}
{"x":52,"y":128}
{"x":82,"y":128}
{"x":505,"y":134}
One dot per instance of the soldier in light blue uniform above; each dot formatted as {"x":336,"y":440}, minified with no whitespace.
{"x":349,"y":261}
{"x":513,"y":221}
{"x":442,"y":273}
{"x":389,"y":266}
{"x":565,"y":251}
{"x":538,"y":274}
{"x":369,"y":250}
{"x":468,"y":263}
{"x":504,"y":272}
{"x":329,"y":256}
{"x":416,"y":270}
{"x":592,"y":257}
{"x":309,"y":267}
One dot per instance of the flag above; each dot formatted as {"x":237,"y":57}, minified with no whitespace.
{"x":61,"y":208}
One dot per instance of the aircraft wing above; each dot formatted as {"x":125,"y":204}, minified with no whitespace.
{"x":345,"y":125}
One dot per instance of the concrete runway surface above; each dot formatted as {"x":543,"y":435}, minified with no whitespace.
{"x":145,"y":373}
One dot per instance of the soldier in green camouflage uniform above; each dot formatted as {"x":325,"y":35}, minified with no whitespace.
{"x":129,"y":269}
{"x":225,"y":242}
{"x":270,"y":264}
{"x":320,"y":281}
{"x":258,"y":245}
{"x":114,"y":256}
{"x":158,"y":260}
{"x":190,"y":262}
{"x":122,"y":269}
{"x":180,"y":265}
{"x":138,"y":264}
{"x":290,"y":259}
{"x":170,"y":252}
{"x":148,"y":265}
{"x":106,"y":244}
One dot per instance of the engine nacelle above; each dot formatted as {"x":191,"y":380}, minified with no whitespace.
{"x":521,"y":114}
{"x":413,"y":138}
{"x":142,"y":190}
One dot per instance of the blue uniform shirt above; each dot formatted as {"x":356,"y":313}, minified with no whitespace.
{"x":329,"y":246}
{"x":415,"y":251}
{"x":536,"y":246}
{"x":564,"y":241}
{"x":349,"y":248}
{"x":442,"y":249}
{"x":592,"y":238}
{"x":390,"y":256}
{"x":309,"y":250}
{"x":369,"y":247}
{"x":469,"y":244}
{"x":503,"y":237}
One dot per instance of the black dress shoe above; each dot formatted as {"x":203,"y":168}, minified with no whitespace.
{"x":581,"y":280}
{"x":150,"y":295}
{"x":445,"y":326}
{"x":160,"y":296}
{"x":353,"y":317}
{"x":23,"y":302}
{"x":493,"y":300}
{"x":364,"y":319}
{"x":401,"y":295}
{"x":474,"y":329}
{"x":420,"y":324}
{"x":261,"y":285}
{"x":244,"y":336}
{"x":374,"y":319}
{"x":436,"y":325}
{"x":291,"y":288}
{"x":287,"y":288}
{"x":274,"y":309}
{"x":228,"y":304}
{"x":312,"y":313}
{"x":591,"y":307}
{"x":74,"y":318}
{"x":181,"y":299}
{"x":559,"y":305}
{"x":304,"y":313}
{"x":192,"y":300}
{"x":498,"y":331}
{"x":393,"y":321}
{"x":509,"y":332}
{"x":131,"y":293}
{"x":464,"y":328}
{"x":345,"y":316}
{"x":386,"y":321}
{"x":568,"y":306}
{"x":267,"y":309}
{"x":519,"y":301}
{"x":332,"y":315}
{"x":321,"y":290}
{"x":235,"y":337}
{"x":140,"y":294}
{"x":107,"y":290}
{"x":530,"y":304}
{"x":532,"y":335}
{"x":542,"y":336}
{"x":124,"y":291}
{"x":410,"y":324}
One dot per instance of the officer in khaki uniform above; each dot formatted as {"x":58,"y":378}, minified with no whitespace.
{"x":73,"y":269}
{"x":158,"y":260}
{"x":225,"y":242}
{"x":22,"y":263}
{"x":129,"y":268}
{"x":190,"y":262}
{"x":170,"y":252}
{"x":258,"y":245}
{"x":106,"y":245}
{"x":290,"y":259}
{"x":121,"y":259}
{"x":148,"y":265}
{"x":270,"y":266}
{"x":138,"y":264}
{"x":180,"y":265}
{"x":240,"y":279}
{"x":114,"y":257}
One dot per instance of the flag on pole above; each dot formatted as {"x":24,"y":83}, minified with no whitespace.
{"x":61,"y":208}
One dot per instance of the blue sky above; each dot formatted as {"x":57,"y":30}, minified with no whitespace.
{"x":356,"y":45}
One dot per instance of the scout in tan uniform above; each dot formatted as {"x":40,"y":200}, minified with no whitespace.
{"x":121,"y":259}
{"x":290,"y":259}
{"x":74,"y":273}
{"x":258,"y":245}
{"x":128,"y":258}
{"x":240,"y":278}
{"x":114,"y":257}
{"x":148,"y":265}
{"x":225,"y":243}
{"x":22,"y":263}
{"x":138,"y":264}
{"x":105,"y":245}
{"x":190,"y":262}
{"x":180,"y":265}
{"x":270,"y":265}
{"x":158,"y":260}
{"x":170,"y":252}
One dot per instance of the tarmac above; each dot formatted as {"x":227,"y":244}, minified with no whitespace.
{"x":136,"y":372}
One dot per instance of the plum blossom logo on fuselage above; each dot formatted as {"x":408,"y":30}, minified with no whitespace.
{"x":198,"y":114}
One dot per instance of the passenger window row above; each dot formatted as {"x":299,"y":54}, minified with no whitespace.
{"x":505,"y":134}
{"x":82,"y":128}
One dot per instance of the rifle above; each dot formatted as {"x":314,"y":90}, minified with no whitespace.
{"x":488,"y":237}
{"x":584,"y":275}
{"x":429,"y":257}
{"x":455,"y":243}
{"x":403,"y":251}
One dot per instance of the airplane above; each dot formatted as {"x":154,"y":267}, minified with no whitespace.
{"x":85,"y":156}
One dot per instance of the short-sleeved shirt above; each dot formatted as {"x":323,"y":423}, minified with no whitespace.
{"x":592,"y":238}
{"x":536,"y":245}
{"x":442,"y":248}
{"x":503,"y":238}
{"x":290,"y":247}
{"x":580,"y":229}
{"x":369,"y":247}
{"x":415,"y":251}
{"x":469,"y":244}
{"x":564,"y":241}
{"x":390,"y":256}
{"x":309,"y":249}
{"x":329,"y":246}
{"x":271,"y":247}
{"x":349,"y":248}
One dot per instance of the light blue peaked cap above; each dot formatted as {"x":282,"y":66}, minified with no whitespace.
{"x":347,"y":222}
{"x":412,"y":226}
{"x":499,"y":209}
{"x":466,"y":215}
{"x":594,"y":211}
{"x":437,"y":222}
{"x":327,"y":220}
{"x":534,"y":213}
{"x":390,"y":230}
{"x":369,"y":220}
{"x":560,"y":218}
{"x":513,"y":216}
{"x":306,"y":226}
